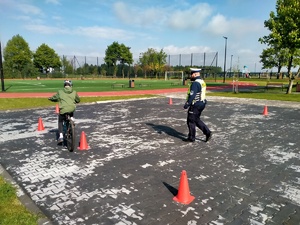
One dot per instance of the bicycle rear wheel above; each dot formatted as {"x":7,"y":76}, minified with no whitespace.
{"x":71,"y":136}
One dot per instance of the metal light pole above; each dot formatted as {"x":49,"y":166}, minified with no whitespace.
{"x":231,"y":64}
{"x":1,"y":70}
{"x":128,"y":63}
{"x":225,"y":59}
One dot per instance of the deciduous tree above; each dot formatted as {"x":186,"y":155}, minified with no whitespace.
{"x":271,"y":57}
{"x":284,"y":26}
{"x":153,"y":61}
{"x":17,"y":55}
{"x":66,"y":66}
{"x":45,"y":58}
{"x":117,"y":53}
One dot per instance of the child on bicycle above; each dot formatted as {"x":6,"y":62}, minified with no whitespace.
{"x":67,"y":99}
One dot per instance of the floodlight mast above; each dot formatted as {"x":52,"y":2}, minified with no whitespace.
{"x":129,"y":63}
{"x":225,"y":59}
{"x":1,"y":70}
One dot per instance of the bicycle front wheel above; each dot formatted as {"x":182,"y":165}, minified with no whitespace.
{"x":71,"y":137}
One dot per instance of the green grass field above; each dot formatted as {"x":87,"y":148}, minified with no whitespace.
{"x":92,"y":85}
{"x":99,"y":85}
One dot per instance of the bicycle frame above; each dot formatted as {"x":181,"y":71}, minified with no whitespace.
{"x":69,"y":133}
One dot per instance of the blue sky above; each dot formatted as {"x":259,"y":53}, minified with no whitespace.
{"x":87,"y":27}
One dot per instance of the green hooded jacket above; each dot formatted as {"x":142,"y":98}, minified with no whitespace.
{"x":67,"y":99}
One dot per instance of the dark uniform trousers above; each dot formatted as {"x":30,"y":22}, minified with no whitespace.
{"x":193,"y":120}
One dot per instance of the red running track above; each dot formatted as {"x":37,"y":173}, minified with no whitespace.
{"x":93,"y":94}
{"x":113,"y":93}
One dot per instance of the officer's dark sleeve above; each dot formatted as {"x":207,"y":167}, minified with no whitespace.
{"x":193,"y":92}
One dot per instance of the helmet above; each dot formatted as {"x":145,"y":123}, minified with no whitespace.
{"x":68,"y":83}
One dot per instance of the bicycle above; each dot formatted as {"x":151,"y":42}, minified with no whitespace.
{"x":69,"y":132}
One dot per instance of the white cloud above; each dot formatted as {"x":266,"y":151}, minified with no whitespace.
{"x":29,"y":9}
{"x":103,"y":32}
{"x":60,"y":45}
{"x":193,"y":17}
{"x":45,"y":29}
{"x":55,"y":2}
{"x":245,"y":51}
{"x":137,"y":16}
{"x":91,"y":32}
{"x":220,"y":25}
{"x":23,"y":18}
{"x":58,"y":18}
{"x":174,"y":50}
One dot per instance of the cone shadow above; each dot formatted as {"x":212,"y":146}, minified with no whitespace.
{"x":173,"y":190}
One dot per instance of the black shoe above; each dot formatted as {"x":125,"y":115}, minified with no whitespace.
{"x":188,"y":140}
{"x":60,"y":141}
{"x":208,"y":137}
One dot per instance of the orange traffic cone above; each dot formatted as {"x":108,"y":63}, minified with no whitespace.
{"x":184,"y":195}
{"x":57,"y":109}
{"x":265,"y":112}
{"x":40,"y":125}
{"x":170,"y":101}
{"x":83,"y":145}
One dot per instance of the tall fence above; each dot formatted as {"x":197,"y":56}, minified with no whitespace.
{"x":80,"y":61}
{"x":84,"y":63}
{"x":198,"y":59}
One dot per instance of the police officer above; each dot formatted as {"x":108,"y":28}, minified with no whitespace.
{"x":196,"y":102}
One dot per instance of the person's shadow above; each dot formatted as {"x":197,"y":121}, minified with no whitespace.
{"x":168,"y":130}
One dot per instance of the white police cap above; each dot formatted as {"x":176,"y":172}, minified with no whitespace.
{"x":195,"y":70}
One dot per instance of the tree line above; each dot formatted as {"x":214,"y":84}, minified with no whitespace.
{"x":21,"y":62}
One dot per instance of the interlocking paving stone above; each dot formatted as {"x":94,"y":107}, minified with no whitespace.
{"x":235,"y":211}
{"x":248,"y":173}
{"x":293,"y":217}
{"x":238,"y":221}
{"x":282,"y":216}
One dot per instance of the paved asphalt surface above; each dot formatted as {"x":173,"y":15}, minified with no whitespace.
{"x":249,"y":173}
